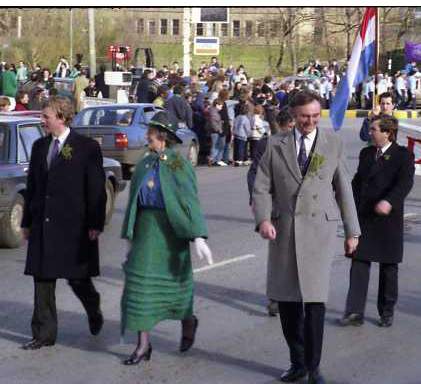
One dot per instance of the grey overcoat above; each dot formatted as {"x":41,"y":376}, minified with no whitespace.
{"x":305,"y":214}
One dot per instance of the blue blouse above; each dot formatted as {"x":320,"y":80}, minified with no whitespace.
{"x":150,"y":195}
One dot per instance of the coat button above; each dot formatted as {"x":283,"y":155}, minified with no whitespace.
{"x":313,"y":215}
{"x":315,"y":196}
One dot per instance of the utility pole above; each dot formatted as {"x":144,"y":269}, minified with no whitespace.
{"x":71,"y":39}
{"x":19,"y":26}
{"x":92,"y":48}
{"x":186,"y":41}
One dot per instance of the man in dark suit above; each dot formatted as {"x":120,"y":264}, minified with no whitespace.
{"x":63,"y":217}
{"x":384,"y":178}
{"x":179,"y":109}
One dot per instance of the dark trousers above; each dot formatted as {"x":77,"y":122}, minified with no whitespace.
{"x":388,"y":288}
{"x":44,"y":317}
{"x":240,"y":147}
{"x":302,"y":326}
{"x":253,"y":148}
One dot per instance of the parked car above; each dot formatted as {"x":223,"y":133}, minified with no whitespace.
{"x":17,"y":134}
{"x":120,"y":130}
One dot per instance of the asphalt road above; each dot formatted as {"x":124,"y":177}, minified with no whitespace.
{"x":237,"y":343}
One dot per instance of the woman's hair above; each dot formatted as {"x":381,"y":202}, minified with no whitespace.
{"x":217,"y":102}
{"x":62,"y":107}
{"x":163,"y":136}
{"x":20,"y":95}
{"x":4,"y":102}
{"x":223,"y":95}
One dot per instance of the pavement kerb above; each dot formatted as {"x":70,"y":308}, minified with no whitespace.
{"x":352,"y":113}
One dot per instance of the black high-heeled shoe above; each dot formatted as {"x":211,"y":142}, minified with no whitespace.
{"x":135,"y":359}
{"x":187,"y":342}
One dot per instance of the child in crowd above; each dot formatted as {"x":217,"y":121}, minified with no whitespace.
{"x":259,"y":129}
{"x":242,"y":129}
{"x":4,"y":104}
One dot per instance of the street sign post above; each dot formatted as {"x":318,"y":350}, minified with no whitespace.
{"x":205,"y":46}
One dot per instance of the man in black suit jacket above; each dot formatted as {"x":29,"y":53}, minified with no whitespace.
{"x":384,"y":178}
{"x":63,"y":216}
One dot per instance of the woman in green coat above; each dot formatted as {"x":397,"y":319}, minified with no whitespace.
{"x":163,"y":215}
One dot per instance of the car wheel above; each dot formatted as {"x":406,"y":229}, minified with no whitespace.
{"x":109,"y":207}
{"x":10,"y":230}
{"x":193,"y":154}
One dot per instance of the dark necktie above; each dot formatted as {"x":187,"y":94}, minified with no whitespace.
{"x":302,"y":155}
{"x":379,"y":154}
{"x":55,"y":151}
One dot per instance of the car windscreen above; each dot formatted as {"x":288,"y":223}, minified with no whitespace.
{"x":28,"y":134}
{"x":120,"y":117}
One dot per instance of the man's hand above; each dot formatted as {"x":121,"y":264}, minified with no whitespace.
{"x":94,"y":234}
{"x":267,"y":230}
{"x":25,"y":233}
{"x":350,"y":245}
{"x":383,"y":207}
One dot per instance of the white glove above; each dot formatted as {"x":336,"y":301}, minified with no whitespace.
{"x":202,"y":249}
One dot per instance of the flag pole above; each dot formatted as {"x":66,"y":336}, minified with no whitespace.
{"x":376,"y":60}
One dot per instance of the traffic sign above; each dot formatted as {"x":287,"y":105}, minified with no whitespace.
{"x":206,"y":46}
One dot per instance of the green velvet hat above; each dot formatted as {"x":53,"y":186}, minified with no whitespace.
{"x":161,"y":121}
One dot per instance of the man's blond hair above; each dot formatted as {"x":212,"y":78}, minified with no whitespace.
{"x":62,"y":107}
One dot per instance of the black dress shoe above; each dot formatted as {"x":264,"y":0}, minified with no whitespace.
{"x":187,"y":342}
{"x":315,"y":378}
{"x":135,"y":359}
{"x":385,"y":322}
{"x":272,"y":308}
{"x":354,"y":319}
{"x":293,"y":374}
{"x":96,"y":322}
{"x":36,"y":344}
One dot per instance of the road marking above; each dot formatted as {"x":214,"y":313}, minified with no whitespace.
{"x":222,"y":263}
{"x":410,"y":126}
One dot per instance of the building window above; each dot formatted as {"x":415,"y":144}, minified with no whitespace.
{"x":260,"y":29}
{"x":224,"y":29}
{"x":236,"y":28}
{"x":176,"y":27}
{"x":152,"y":28}
{"x":273,"y":28}
{"x":249,"y":28}
{"x":199,"y":29}
{"x":164,"y":26}
{"x":140,"y":26}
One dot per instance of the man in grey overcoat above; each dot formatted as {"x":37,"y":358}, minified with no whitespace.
{"x":300,"y":183}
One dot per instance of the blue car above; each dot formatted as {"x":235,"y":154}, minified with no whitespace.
{"x":17,"y":135}
{"x":120,"y":130}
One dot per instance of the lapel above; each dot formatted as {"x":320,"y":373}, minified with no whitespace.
{"x":321,"y":146}
{"x":70,"y":140}
{"x":289,"y":152}
{"x":44,"y":153}
{"x":381,"y":162}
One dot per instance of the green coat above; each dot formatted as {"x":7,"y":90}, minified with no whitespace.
{"x":179,"y":191}
{"x":9,"y":83}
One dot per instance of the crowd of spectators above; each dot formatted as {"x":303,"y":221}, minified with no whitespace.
{"x":229,"y":110}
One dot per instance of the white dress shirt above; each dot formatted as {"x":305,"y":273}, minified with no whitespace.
{"x":62,"y":138}
{"x":308,"y":141}
{"x":385,"y":148}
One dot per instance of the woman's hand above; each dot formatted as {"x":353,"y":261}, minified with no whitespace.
{"x":203,"y":250}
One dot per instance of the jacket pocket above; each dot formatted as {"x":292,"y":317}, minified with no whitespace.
{"x":332,"y":216}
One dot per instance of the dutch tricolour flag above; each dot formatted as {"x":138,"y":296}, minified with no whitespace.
{"x":362,"y":58}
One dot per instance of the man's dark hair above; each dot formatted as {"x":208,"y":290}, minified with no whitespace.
{"x":178,"y":90}
{"x":243,"y":109}
{"x":304,"y":98}
{"x":389,"y":124}
{"x":385,"y":95}
{"x":284,"y":117}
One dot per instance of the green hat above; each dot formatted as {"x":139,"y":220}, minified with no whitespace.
{"x":161,"y":121}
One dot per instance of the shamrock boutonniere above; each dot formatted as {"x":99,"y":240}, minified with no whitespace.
{"x":386,"y":157}
{"x":177,"y":163}
{"x":316,"y":162}
{"x":66,"y":152}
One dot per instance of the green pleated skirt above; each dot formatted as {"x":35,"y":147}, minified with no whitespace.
{"x":158,"y":275}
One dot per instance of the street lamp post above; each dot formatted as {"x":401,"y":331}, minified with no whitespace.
{"x":92,"y":48}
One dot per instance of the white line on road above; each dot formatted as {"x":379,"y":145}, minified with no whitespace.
{"x":410,"y":126}
{"x":222,"y":263}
